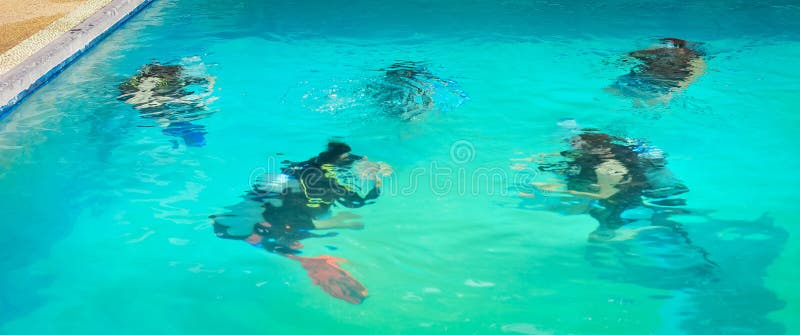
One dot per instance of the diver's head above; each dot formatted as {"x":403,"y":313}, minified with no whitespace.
{"x":590,"y":141}
{"x":401,"y":73}
{"x":168,"y":72}
{"x":338,"y":153}
{"x":405,"y":69}
{"x":405,"y":73}
{"x":674,"y":42}
{"x":576,"y":142}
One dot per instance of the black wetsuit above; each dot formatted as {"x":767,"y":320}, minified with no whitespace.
{"x":289,"y":214}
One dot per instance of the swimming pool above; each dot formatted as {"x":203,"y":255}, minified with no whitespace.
{"x":106,"y":217}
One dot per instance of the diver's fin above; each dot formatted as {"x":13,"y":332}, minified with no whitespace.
{"x":192,"y":134}
{"x":332,"y":279}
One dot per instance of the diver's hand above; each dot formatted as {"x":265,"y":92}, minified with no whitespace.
{"x":373,"y":170}
{"x":554,"y":187}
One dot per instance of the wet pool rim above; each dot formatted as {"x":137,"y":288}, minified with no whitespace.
{"x":38,"y":69}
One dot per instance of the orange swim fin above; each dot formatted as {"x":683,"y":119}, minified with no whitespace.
{"x":333,"y":279}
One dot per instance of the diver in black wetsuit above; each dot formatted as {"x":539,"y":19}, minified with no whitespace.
{"x":278,"y":214}
{"x":166,"y":94}
{"x":317,"y":179}
{"x":289,"y":214}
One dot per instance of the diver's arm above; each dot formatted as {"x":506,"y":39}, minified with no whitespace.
{"x":536,"y":157}
{"x":374,"y":193}
{"x":554,"y":188}
{"x":607,"y":185}
{"x":599,"y":195}
{"x":604,"y":192}
{"x":211,"y":82}
{"x":697,"y":67}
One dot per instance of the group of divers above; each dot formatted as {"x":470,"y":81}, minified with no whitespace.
{"x":620,"y":180}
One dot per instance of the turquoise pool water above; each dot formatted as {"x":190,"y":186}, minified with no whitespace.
{"x":105,"y":218}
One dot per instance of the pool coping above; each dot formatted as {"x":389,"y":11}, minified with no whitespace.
{"x":39,"y":68}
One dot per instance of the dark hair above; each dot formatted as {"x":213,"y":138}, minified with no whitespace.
{"x":335,"y":149}
{"x":595,"y":140}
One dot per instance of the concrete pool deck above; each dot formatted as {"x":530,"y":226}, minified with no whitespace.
{"x":41,"y":37}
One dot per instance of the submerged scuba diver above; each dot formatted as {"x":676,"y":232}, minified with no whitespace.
{"x":276,"y":214}
{"x":409,"y":91}
{"x":625,"y":185}
{"x":661,"y":70}
{"x":619,"y":174}
{"x":174,"y":99}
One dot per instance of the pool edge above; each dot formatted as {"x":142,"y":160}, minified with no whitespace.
{"x":38,"y":69}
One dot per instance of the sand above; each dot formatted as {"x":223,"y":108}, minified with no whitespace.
{"x":20,"y":19}
{"x":27,"y":26}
